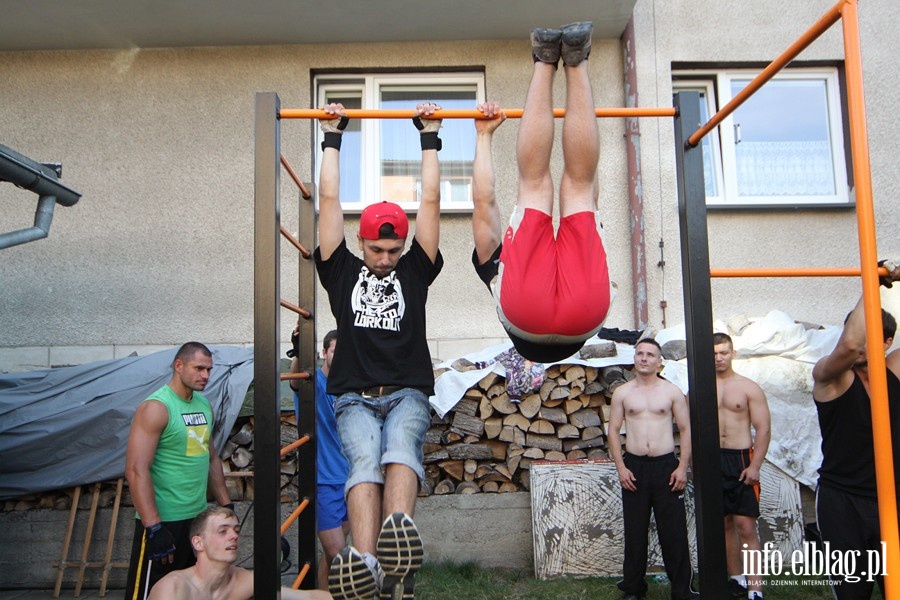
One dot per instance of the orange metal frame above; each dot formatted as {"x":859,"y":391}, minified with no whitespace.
{"x":847,"y":12}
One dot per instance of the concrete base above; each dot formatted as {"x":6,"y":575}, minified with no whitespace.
{"x":465,"y":528}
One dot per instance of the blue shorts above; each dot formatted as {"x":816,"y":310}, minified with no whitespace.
{"x":380,"y":431}
{"x":331,"y":506}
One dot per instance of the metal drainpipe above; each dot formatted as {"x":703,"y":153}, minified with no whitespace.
{"x":42,"y":219}
{"x":635,"y":187}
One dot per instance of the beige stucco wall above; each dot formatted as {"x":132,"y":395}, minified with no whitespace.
{"x":160,"y":144}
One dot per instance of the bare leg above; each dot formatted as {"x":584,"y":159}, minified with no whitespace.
{"x":747,"y":534}
{"x":401,"y":485}
{"x":364,"y":508}
{"x":535,"y":142}
{"x":333,"y":541}
{"x":581,"y":145}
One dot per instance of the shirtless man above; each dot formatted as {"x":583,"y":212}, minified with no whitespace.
{"x":214,"y":536}
{"x":742,"y":403}
{"x":650,"y":474}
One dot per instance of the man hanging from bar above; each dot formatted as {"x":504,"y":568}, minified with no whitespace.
{"x":381,"y":373}
{"x":552,"y":294}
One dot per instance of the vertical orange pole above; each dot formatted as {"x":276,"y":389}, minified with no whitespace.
{"x":865,"y":214}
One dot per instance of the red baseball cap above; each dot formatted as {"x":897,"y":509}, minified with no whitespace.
{"x":376,"y":215}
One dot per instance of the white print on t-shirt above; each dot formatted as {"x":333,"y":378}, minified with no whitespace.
{"x":377,"y":303}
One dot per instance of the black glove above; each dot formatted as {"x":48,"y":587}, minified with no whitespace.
{"x":160,"y":542}
{"x":295,"y":342}
{"x":890,"y":265}
{"x":428,"y":130}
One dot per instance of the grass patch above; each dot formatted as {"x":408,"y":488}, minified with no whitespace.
{"x":449,"y":581}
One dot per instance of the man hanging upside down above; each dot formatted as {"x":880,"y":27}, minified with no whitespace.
{"x":552,"y":293}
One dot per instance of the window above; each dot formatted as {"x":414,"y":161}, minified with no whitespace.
{"x":381,"y":158}
{"x":784,"y":146}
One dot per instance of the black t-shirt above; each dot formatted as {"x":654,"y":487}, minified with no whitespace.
{"x":848,"y":446}
{"x":491,"y":267}
{"x":380,"y":322}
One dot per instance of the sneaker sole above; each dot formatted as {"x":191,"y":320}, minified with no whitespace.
{"x":576,"y":43}
{"x":400,"y":554}
{"x":350,"y":578}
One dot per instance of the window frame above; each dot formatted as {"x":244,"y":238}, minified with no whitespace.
{"x":716,"y":83}
{"x":369,"y":85}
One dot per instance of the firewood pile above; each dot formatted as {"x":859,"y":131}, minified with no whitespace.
{"x":486,"y":443}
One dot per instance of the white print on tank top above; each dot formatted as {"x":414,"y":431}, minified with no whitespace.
{"x":377,"y":303}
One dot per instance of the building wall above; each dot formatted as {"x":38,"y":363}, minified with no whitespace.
{"x":160,"y":144}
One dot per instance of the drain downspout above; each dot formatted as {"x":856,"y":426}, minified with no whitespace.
{"x":635,"y":187}
{"x":40,"y":179}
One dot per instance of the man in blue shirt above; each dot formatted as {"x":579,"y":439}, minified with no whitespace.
{"x":332,"y":524}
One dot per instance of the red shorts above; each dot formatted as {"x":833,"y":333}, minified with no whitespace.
{"x":553,"y":286}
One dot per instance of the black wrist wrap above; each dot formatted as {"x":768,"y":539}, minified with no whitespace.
{"x":332,"y":140}
{"x":430,"y":141}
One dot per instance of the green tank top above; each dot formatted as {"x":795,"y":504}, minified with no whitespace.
{"x":180,"y":468}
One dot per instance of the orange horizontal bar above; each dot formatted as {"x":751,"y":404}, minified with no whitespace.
{"x":290,"y":520}
{"x":287,"y":167}
{"x":512,"y":113}
{"x":287,"y":234}
{"x":294,"y":376}
{"x":300,"y":576}
{"x":788,"y":272}
{"x":811,"y":35}
{"x":300,"y":311}
{"x":294,"y":445}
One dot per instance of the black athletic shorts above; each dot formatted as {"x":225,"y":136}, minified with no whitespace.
{"x":738,"y":498}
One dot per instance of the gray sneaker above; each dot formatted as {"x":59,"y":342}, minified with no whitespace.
{"x":351,"y":577}
{"x":576,"y":42}
{"x":400,"y":553}
{"x":545,"y":45}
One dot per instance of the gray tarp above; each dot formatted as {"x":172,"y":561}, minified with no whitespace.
{"x":69,"y":426}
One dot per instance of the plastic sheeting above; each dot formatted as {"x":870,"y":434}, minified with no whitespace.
{"x":69,"y":426}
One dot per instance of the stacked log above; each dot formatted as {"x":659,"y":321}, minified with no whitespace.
{"x":487,"y":442}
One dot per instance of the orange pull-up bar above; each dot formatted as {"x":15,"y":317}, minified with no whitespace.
{"x":512,"y":113}
{"x":793,"y":272}
{"x":811,"y":35}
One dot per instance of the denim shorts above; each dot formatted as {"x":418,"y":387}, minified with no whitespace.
{"x":380,"y":431}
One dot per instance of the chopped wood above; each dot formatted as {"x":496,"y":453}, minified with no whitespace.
{"x":444,"y":487}
{"x":470,"y":465}
{"x":541,"y":427}
{"x":466,"y":451}
{"x":569,"y":445}
{"x":571,"y":406}
{"x":487,"y":381}
{"x":535,"y":453}
{"x":466,"y":406}
{"x":244,"y":436}
{"x":492,"y":427}
{"x":502,"y":404}
{"x":517,"y":420}
{"x":453,"y":468}
{"x":589,"y":433}
{"x":433,"y":435}
{"x":467,"y":424}
{"x":512,"y":464}
{"x":530,"y":405}
{"x":515,"y":450}
{"x":450,"y":437}
{"x":471,"y":439}
{"x":554,"y":455}
{"x":485,"y":409}
{"x":473,"y":394}
{"x":585,"y":417}
{"x":496,"y":389}
{"x":508,"y":433}
{"x":545,"y":442}
{"x":467,"y":487}
{"x":499,"y":450}
{"x":604,"y":349}
{"x":490,"y":487}
{"x":594,"y":387}
{"x":433,"y":457}
{"x":590,"y":374}
{"x":548,"y":386}
{"x":508,"y":487}
{"x":426,"y":488}
{"x":574,"y":372}
{"x":553,"y":402}
{"x":554,"y":415}
{"x":575,"y":454}
{"x":241,"y":458}
{"x":567,"y":431}
{"x":560,"y":392}
{"x":429,"y":448}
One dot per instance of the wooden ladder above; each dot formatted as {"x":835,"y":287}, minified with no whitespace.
{"x":107,"y":565}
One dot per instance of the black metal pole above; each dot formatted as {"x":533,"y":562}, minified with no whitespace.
{"x":700,"y":356}
{"x":266,"y":379}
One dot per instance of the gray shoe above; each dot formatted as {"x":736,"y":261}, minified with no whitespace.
{"x":401,"y":554}
{"x":351,"y":577}
{"x":545,"y":45}
{"x":576,"y":42}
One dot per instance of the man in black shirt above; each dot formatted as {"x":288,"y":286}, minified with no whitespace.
{"x":846,"y":498}
{"x":381,"y":374}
